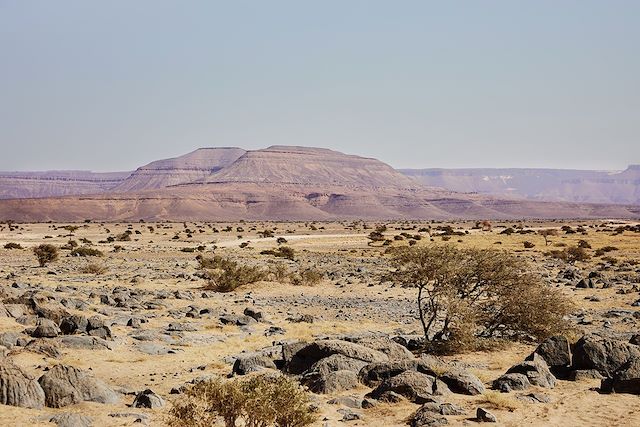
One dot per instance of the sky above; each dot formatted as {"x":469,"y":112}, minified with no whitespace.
{"x":112,"y":85}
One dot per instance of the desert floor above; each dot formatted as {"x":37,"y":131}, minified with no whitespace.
{"x":350,"y":299}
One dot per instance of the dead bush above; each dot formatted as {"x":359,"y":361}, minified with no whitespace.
{"x":469,"y":295}
{"x":257,"y":401}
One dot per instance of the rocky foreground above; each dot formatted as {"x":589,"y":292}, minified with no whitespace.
{"x":120,"y":347}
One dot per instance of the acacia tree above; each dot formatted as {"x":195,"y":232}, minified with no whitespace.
{"x":546,"y":233}
{"x":468,"y":294}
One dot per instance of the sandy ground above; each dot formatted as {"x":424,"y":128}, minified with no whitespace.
{"x":156,"y":260}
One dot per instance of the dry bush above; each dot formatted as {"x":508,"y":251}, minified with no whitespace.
{"x":226,"y":275}
{"x":281,"y":252}
{"x":93,"y":268}
{"x":71,"y":244}
{"x":85,"y":252}
{"x":12,"y":245}
{"x":257,"y":401}
{"x":468,"y":296}
{"x":605,"y":249}
{"x":124,"y":237}
{"x":497,"y":400}
{"x":528,"y":245}
{"x":308,"y":277}
{"x":45,"y":254}
{"x":570,"y":254}
{"x":278,"y":272}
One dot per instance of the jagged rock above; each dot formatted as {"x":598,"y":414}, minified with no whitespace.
{"x":68,"y":419}
{"x":415,"y":386}
{"x":83,"y":342}
{"x":247,"y":363}
{"x":330,"y":382}
{"x":43,"y":346}
{"x":536,"y":371}
{"x":392,"y":349}
{"x":463,"y":382}
{"x":9,"y":339}
{"x":349,"y":415}
{"x":625,"y":379}
{"x":148,"y":399}
{"x":482,"y":415}
{"x":509,"y":382}
{"x":372,"y":374}
{"x":585,"y":375}
{"x":428,"y":415}
{"x":74,"y":324}
{"x":555,"y":351}
{"x":604,"y":354}
{"x":307,"y":355}
{"x":17,"y":388}
{"x":534,"y":398}
{"x":65,"y":385}
{"x":238,"y":320}
{"x":337,"y":362}
{"x":348,"y":401}
{"x":45,"y":328}
{"x":255,"y":314}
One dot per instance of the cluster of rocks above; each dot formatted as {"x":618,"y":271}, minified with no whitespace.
{"x":616,"y":362}
{"x":328,"y":366}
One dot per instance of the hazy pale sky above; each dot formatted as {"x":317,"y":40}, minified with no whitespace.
{"x":112,"y":85}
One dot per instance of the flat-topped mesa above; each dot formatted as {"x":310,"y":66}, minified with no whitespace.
{"x":311,"y":166}
{"x":191,"y":167}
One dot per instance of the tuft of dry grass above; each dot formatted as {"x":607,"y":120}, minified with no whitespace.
{"x":498,"y":400}
{"x":93,"y":268}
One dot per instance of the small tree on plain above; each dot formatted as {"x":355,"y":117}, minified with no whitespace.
{"x":465,"y":295}
{"x":45,"y":254}
{"x":546,"y":233}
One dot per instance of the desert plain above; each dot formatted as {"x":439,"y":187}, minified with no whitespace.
{"x":158,"y":324}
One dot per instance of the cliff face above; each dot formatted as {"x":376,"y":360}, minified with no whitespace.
{"x":581,"y":186}
{"x":180,"y":170}
{"x":22,"y":185}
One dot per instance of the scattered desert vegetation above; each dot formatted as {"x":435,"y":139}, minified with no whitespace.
{"x":358,"y":323}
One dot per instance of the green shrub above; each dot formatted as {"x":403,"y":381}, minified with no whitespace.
{"x":468,"y":297}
